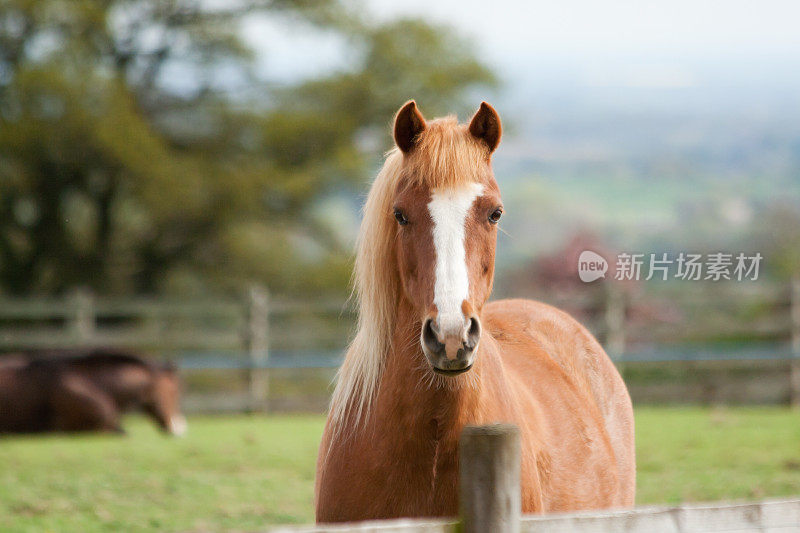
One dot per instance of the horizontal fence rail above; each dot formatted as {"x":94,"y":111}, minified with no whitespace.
{"x":657,"y":325}
{"x":255,"y":335}
{"x":768,"y":516}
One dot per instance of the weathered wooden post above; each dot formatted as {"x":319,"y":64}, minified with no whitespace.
{"x":82,"y":320}
{"x":615,"y":321}
{"x":489,"y":465}
{"x":257,"y":340}
{"x":794,"y":372}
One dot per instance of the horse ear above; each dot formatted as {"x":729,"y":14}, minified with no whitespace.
{"x":485,"y":125}
{"x":408,"y":124}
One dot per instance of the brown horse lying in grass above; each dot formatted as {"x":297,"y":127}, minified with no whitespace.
{"x":85,"y":392}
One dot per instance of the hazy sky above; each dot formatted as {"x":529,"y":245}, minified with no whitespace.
{"x":590,"y":28}
{"x":630,"y":41}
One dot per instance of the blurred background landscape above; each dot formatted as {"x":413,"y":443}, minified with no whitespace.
{"x":160,"y":161}
{"x":196,"y":147}
{"x":184,"y":178}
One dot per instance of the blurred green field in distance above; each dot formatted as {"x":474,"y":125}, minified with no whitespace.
{"x":244,"y":472}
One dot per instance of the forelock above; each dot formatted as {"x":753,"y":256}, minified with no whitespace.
{"x":446,"y":155}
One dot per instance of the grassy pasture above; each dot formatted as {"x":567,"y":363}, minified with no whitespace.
{"x":245,"y":472}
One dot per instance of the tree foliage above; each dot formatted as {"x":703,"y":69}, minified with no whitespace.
{"x":131,"y":160}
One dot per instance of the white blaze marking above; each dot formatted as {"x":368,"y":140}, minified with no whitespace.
{"x":449,"y":210}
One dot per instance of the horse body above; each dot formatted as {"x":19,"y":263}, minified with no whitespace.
{"x":415,"y":374}
{"x":405,"y":463}
{"x":85,"y":393}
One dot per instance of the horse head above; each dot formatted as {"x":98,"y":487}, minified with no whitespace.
{"x":446,"y":207}
{"x":162,"y":400}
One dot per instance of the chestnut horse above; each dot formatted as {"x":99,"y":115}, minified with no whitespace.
{"x":431,"y":355}
{"x":85,"y":392}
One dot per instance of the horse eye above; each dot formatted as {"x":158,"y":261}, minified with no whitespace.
{"x":494,"y":218}
{"x":400,"y":217}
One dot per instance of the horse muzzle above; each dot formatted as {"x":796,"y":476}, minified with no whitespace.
{"x":177,"y":425}
{"x":450,"y":352}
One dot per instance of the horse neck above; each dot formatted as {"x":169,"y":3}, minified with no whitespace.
{"x":125,"y":384}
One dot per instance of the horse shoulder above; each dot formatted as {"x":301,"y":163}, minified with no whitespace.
{"x":562,"y":338}
{"x":542,"y":328}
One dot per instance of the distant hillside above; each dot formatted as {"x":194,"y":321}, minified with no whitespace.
{"x":644,"y":168}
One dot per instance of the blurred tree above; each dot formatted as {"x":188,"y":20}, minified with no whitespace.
{"x":131,"y":161}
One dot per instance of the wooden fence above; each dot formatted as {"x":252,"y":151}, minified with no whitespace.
{"x":236,"y":330}
{"x":489,"y":468}
{"x":772,"y":516}
{"x":246,"y":334}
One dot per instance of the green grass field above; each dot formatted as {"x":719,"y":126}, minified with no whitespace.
{"x":247,"y":472}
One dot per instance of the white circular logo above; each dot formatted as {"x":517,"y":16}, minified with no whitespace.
{"x":591,"y":266}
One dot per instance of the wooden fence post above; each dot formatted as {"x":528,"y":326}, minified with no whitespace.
{"x":82,"y":320}
{"x":794,"y":372}
{"x":615,"y":321}
{"x":257,"y":340}
{"x":489,"y":465}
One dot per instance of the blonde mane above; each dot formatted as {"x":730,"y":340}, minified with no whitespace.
{"x":445,"y":155}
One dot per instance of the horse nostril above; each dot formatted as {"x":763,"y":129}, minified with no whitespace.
{"x":430,"y":338}
{"x":473,"y":333}
{"x":474,"y":326}
{"x":434,"y":327}
{"x":427,"y":328}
